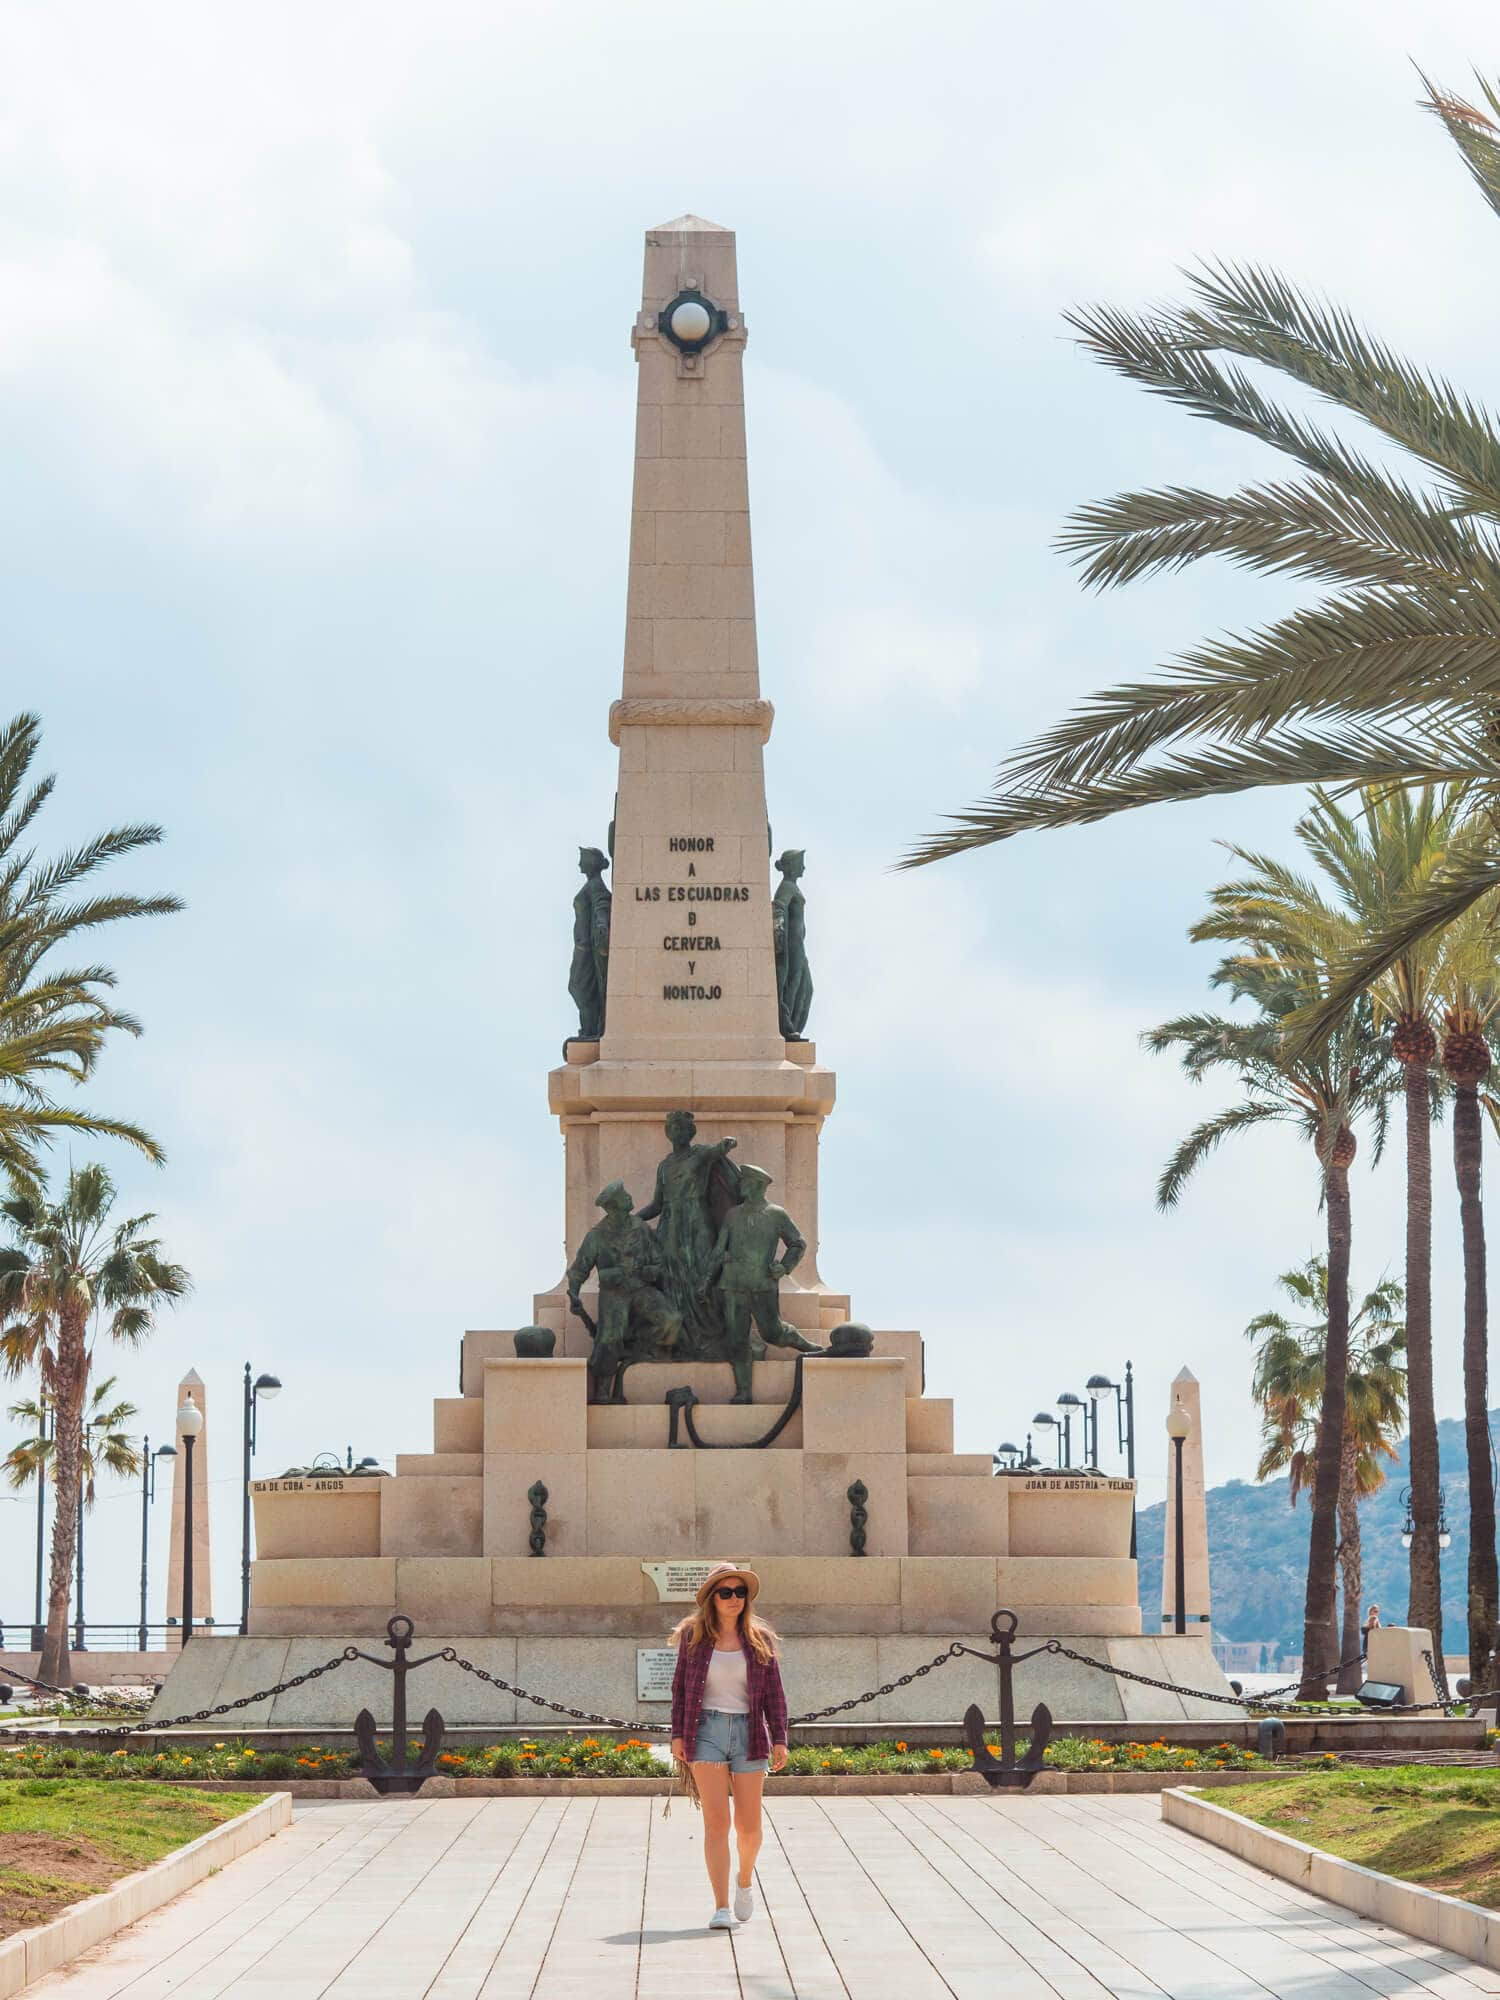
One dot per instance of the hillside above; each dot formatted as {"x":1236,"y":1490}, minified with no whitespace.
{"x":1257,"y":1547}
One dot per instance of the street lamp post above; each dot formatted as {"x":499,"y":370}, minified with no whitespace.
{"x":78,"y":1621}
{"x":189,"y":1423}
{"x":148,"y":1494}
{"x":1067,"y":1403}
{"x":1044,"y":1420}
{"x":1100,"y":1386}
{"x":38,"y":1626}
{"x":78,"y":1645}
{"x":263,"y":1385}
{"x":1179,"y":1426}
{"x":1408,"y":1525}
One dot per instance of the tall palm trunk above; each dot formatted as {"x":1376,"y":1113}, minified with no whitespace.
{"x":1322,"y":1553}
{"x":1425,"y":1601}
{"x":1351,"y":1569}
{"x":1484,"y":1585}
{"x":70,"y":1383}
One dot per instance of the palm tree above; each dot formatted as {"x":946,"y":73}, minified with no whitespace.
{"x":54,"y":1021}
{"x":105,"y":1446}
{"x":1473,"y":1001}
{"x":68,"y":1279}
{"x":1288,"y":1386}
{"x":1392,"y":678}
{"x":1322,"y":1092}
{"x":1375,"y":856}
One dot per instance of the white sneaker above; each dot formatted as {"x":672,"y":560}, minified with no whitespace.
{"x":721,"y":1920}
{"x":744,"y":1901}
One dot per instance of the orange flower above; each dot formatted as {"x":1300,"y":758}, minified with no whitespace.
{"x":900,"y":1746}
{"x":934,"y":1753}
{"x":825,"y":1763}
{"x":527,"y":1756}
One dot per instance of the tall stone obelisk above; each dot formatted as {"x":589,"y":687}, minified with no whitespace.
{"x":190,"y":1390}
{"x":691,"y":1015}
{"x":1196,"y":1601}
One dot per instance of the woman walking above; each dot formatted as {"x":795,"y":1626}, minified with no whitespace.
{"x":728,"y":1722}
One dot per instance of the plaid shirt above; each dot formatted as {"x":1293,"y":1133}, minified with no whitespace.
{"x":767,"y":1698}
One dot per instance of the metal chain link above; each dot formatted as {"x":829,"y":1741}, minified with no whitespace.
{"x":954,"y":1651}
{"x":663,"y":1728}
{"x":222,"y":1708}
{"x":901,"y":1681}
{"x":1250,"y":1701}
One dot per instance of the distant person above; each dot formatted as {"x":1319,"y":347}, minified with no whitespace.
{"x":1371,"y":1624}
{"x":728,"y":1723}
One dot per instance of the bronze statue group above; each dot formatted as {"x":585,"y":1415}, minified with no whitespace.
{"x":700,"y":1286}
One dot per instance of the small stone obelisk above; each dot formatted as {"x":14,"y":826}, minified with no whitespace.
{"x":691,"y":1016}
{"x":1196,"y":1601}
{"x":190,"y":1390}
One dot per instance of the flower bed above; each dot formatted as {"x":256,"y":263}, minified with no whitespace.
{"x":579,"y":1756}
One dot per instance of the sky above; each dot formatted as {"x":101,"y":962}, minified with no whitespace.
{"x":316,"y":406}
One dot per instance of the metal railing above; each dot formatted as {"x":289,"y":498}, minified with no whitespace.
{"x":20,"y":1635}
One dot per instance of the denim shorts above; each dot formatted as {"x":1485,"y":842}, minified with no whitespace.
{"x":725,"y":1739}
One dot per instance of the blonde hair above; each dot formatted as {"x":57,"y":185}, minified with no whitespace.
{"x":697,"y":1630}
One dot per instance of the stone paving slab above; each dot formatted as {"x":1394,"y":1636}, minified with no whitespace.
{"x":894,"y":1897}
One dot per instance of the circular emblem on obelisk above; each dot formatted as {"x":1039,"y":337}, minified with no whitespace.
{"x":690,"y":321}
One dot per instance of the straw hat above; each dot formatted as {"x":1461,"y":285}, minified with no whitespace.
{"x":721,"y":1573}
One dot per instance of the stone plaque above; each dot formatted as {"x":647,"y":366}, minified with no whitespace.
{"x":677,"y":1583}
{"x":654,"y":1668}
{"x":332,"y":1483}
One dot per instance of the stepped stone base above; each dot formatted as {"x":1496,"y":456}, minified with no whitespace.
{"x":600,"y":1674}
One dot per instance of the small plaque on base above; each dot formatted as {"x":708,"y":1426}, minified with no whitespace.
{"x":677,"y":1583}
{"x":654,"y":1668}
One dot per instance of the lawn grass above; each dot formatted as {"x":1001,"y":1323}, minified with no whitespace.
{"x":62,"y":1839}
{"x":1426,"y":1824}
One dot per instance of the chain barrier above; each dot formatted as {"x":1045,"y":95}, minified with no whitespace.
{"x":1252,"y":1701}
{"x":222,"y":1708}
{"x":664,"y":1728}
{"x":954,"y":1651}
{"x":101,"y":1699}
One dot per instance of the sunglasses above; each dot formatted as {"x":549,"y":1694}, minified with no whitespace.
{"x":727,"y":1590}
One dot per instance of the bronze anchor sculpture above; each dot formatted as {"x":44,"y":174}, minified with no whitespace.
{"x":1004,"y":1769}
{"x":394,"y":1774}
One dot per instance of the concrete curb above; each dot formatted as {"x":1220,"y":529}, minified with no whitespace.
{"x":28,"y":1954}
{"x":1423,"y":1913}
{"x":846,"y":1785}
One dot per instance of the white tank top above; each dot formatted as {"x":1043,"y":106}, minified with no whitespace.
{"x":727,"y":1687}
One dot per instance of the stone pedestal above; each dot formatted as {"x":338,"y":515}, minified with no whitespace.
{"x":1396,"y":1653}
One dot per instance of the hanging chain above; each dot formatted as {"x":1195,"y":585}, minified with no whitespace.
{"x":954,"y":1651}
{"x":222,"y":1708}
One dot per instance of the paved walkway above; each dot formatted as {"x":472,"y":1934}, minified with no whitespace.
{"x":863,"y":1899}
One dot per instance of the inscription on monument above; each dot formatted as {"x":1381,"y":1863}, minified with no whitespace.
{"x":654,"y":1668}
{"x":333,"y":1485}
{"x":677,"y":1582}
{"x":691,"y":891}
{"x":1060,"y":1483}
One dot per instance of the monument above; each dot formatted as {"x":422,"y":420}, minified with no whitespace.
{"x":690,"y":1387}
